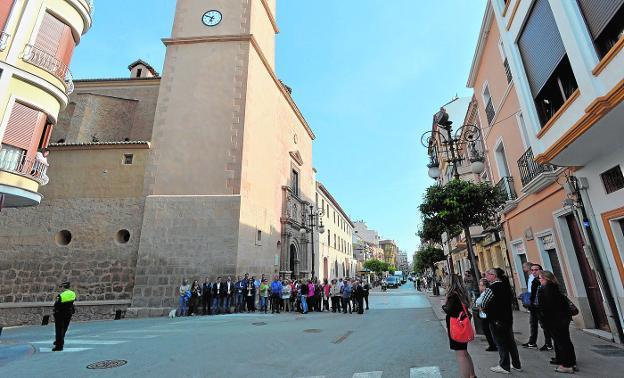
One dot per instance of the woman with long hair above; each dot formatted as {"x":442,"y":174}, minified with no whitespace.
{"x":194,"y":301}
{"x":554,"y":311}
{"x":457,"y":298}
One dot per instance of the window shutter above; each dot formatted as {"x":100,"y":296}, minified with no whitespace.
{"x":24,"y":127}
{"x":540,"y":45}
{"x":66,"y":47}
{"x":5,"y":10}
{"x":50,"y":35}
{"x":598,"y":13}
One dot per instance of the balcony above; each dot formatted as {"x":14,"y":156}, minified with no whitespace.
{"x":51,"y":64}
{"x":507,"y":71}
{"x":4,"y":40}
{"x":535,"y":177}
{"x":16,"y":161}
{"x":506,"y":185}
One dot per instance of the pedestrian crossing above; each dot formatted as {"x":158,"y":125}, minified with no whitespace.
{"x":415,"y":372}
{"x":74,"y":345}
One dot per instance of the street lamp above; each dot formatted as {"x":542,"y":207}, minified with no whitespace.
{"x":447,"y":144}
{"x":315,"y":220}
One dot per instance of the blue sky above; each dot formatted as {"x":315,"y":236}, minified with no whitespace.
{"x":367,"y":74}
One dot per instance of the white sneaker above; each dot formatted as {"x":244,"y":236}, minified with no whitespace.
{"x":498,"y":369}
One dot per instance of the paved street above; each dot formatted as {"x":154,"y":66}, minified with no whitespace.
{"x":398,"y":337}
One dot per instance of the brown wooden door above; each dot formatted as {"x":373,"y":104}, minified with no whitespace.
{"x":589,"y":277}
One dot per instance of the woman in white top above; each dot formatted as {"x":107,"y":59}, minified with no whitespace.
{"x":286,"y":290}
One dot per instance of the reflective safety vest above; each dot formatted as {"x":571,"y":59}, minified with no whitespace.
{"x":68,"y":296}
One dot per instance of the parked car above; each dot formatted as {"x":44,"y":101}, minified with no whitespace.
{"x":392,"y":281}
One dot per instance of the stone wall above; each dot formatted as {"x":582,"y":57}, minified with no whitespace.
{"x":100,"y":265}
{"x":190,"y":237}
{"x":33,"y":315}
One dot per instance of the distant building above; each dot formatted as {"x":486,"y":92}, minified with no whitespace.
{"x":390,"y":250}
{"x":402,"y":262}
{"x":336,"y":255}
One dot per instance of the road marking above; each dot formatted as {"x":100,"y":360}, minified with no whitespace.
{"x":343,"y":337}
{"x":85,"y":341}
{"x":69,"y":350}
{"x":147,"y":330}
{"x":368,"y":374}
{"x":425,"y":372}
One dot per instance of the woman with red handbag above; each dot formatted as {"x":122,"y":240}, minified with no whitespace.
{"x":458,"y":317}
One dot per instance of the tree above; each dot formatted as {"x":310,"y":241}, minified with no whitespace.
{"x":432,"y":229}
{"x":391,"y":269}
{"x":376,"y":266}
{"x":461,"y":204}
{"x":426,"y":257}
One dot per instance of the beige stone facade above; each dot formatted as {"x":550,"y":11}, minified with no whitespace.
{"x":336,"y":255}
{"x":206,"y":171}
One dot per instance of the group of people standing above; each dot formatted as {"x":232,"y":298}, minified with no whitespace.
{"x":548,"y":306}
{"x":251,"y":294}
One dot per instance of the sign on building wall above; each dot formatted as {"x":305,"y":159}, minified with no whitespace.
{"x":548,"y":241}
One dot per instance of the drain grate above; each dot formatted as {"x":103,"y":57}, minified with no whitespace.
{"x":107,"y":364}
{"x":258,"y":323}
{"x":312,"y":330}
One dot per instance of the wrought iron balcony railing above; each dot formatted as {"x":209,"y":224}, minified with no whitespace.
{"x":51,"y":64}
{"x":16,"y":161}
{"x":529,"y":169}
{"x":506,"y":185}
{"x":489,"y":111}
{"x":4,"y":40}
{"x":507,"y":71}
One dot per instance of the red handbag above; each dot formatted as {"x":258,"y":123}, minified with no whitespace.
{"x":461,"y":329}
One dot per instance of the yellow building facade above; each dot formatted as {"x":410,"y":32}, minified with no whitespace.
{"x":37,"y":41}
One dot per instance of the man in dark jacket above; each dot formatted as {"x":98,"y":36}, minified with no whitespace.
{"x":217,"y":291}
{"x":497,"y":304}
{"x":206,"y":296}
{"x":534,"y":313}
{"x":359,"y":297}
{"x":366,"y":288}
{"x":63,"y":311}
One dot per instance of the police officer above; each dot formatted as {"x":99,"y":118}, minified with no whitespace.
{"x":63,"y":311}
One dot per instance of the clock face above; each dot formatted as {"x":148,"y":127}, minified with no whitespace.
{"x":212,"y":18}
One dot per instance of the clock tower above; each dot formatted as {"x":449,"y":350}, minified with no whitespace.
{"x":222,"y":134}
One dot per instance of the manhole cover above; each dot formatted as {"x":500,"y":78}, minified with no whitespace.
{"x":258,"y":323}
{"x":312,"y":330}
{"x":107,"y":364}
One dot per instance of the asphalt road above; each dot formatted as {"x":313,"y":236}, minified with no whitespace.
{"x":398,"y":337}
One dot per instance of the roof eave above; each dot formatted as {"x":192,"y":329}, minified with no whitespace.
{"x":483,"y":33}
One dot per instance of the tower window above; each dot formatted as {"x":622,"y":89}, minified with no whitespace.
{"x":139,"y":72}
{"x":128,"y":159}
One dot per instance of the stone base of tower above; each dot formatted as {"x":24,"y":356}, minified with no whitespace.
{"x":183,"y":237}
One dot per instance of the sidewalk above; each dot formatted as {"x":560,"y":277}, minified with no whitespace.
{"x":595,"y":357}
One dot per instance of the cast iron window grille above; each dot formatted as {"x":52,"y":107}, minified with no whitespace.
{"x":612,"y":179}
{"x":506,"y":185}
{"x":507,"y":71}
{"x":489,"y":111}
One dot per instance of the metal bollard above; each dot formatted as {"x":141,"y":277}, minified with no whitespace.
{"x":45,"y":320}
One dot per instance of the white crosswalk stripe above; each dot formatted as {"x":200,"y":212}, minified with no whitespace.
{"x":425,"y":372}
{"x":419,"y":372}
{"x":85,"y":342}
{"x":69,"y":350}
{"x":369,"y":374}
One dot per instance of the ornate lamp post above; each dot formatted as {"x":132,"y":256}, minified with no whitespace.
{"x":314,"y":220}
{"x":447,"y":144}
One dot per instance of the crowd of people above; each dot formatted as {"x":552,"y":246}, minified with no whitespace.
{"x":494,"y":302}
{"x":251,"y":294}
